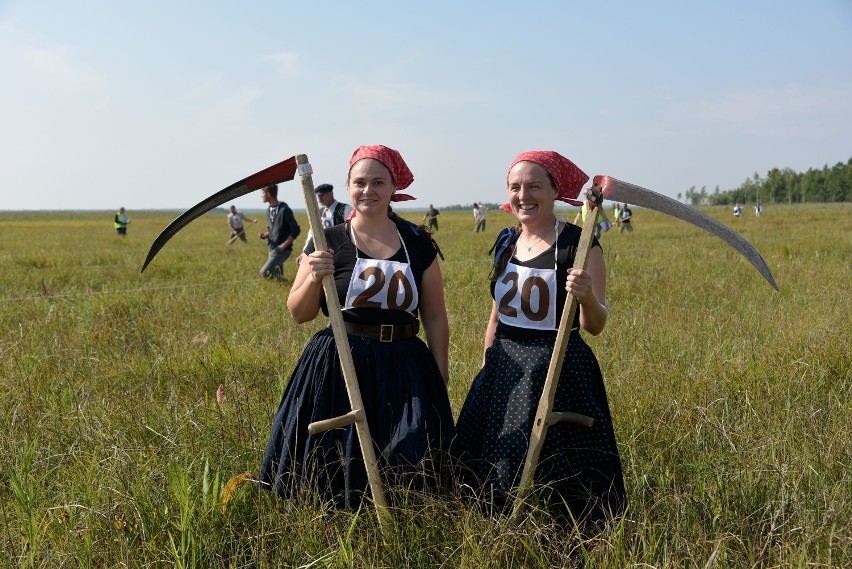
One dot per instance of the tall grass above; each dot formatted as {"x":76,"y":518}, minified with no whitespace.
{"x":731,"y":402}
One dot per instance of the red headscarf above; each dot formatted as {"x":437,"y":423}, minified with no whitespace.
{"x":392,"y":159}
{"x":567,"y":177}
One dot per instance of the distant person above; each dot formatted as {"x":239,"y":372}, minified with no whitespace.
{"x":281,"y":231}
{"x":602,"y":224}
{"x":120,"y":222}
{"x":479,"y":212}
{"x":758,"y":209}
{"x":616,"y":214}
{"x":332,"y":212}
{"x":738,"y":211}
{"x":626,"y":216}
{"x":235,"y":222}
{"x":432,"y":215}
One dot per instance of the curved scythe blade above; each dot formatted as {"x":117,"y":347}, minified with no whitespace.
{"x":276,"y":174}
{"x":617,"y":190}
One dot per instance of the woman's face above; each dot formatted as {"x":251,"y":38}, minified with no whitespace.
{"x":370,"y":187}
{"x":531,"y":193}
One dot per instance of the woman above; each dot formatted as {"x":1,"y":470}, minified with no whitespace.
{"x":386,"y":275}
{"x":579,"y":466}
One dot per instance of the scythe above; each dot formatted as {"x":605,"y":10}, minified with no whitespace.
{"x":279,"y":173}
{"x":616,"y":190}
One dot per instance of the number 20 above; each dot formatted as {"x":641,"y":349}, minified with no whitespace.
{"x":397,"y":280}
{"x":526,"y":294}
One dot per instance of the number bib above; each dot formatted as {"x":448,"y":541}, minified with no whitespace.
{"x":327,"y":217}
{"x":526,"y":297}
{"x":388,"y":285}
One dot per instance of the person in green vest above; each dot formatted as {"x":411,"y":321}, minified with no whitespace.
{"x":120,"y":222}
{"x":603,"y":223}
{"x":616,"y":214}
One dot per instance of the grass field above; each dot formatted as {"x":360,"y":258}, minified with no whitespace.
{"x":732,"y":403}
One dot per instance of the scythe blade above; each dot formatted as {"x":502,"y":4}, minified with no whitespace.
{"x":275,"y":174}
{"x":617,"y":190}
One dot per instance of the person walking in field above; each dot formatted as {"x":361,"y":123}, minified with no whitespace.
{"x":758,"y":209}
{"x":280,"y":233}
{"x":579,"y":467}
{"x":389,"y":281}
{"x":737,"y":210}
{"x":626,"y":219}
{"x":235,"y":222}
{"x":616,"y":214}
{"x":332,"y":212}
{"x":432,"y":215}
{"x":479,"y":212}
{"x":603,"y":223}
{"x":120,"y":222}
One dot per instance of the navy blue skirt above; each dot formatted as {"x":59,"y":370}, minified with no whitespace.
{"x":579,"y":469}
{"x":407,"y":410}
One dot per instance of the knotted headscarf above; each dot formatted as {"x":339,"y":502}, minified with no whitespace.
{"x":567,"y":177}
{"x":392,"y":159}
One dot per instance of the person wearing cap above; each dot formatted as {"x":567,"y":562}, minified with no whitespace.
{"x":532,"y":275}
{"x":389,"y":282}
{"x":332,"y":212}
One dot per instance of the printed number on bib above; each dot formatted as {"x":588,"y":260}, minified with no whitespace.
{"x":526,"y":297}
{"x":382,"y":284}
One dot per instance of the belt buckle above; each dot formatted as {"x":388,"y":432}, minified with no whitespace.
{"x":386,"y":333}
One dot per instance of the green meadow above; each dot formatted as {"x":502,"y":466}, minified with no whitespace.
{"x":732,"y":403}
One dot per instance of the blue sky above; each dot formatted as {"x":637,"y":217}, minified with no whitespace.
{"x":159,"y":104}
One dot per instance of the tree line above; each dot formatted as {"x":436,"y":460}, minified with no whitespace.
{"x":830,"y":184}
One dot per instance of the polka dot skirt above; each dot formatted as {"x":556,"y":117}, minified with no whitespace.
{"x":579,"y":464}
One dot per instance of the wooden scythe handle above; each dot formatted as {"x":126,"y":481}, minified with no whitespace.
{"x":352,"y":416}
{"x":543,"y":417}
{"x":343,"y":350}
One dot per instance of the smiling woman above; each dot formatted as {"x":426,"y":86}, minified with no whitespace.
{"x":387,"y":276}
{"x":531,"y":279}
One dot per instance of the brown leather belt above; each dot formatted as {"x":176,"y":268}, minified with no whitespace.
{"x":383,"y":332}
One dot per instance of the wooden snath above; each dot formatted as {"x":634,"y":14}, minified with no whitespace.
{"x":335,"y":315}
{"x":545,"y":415}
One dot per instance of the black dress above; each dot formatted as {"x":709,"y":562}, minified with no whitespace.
{"x":579,"y":470}
{"x":405,"y":400}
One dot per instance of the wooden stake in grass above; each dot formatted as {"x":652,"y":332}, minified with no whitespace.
{"x":341,"y":339}
{"x":545,"y":416}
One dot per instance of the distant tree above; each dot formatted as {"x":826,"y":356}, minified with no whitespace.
{"x":692,"y":196}
{"x":832,"y":184}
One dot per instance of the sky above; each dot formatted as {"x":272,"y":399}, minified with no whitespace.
{"x":159,"y":104}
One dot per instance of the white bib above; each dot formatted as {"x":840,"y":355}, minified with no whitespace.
{"x":327,"y":215}
{"x":377,"y":283}
{"x":526,"y":297}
